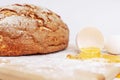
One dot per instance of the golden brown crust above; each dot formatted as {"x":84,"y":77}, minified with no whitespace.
{"x":28,"y":29}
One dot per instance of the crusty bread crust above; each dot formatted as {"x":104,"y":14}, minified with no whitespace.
{"x":29,"y":29}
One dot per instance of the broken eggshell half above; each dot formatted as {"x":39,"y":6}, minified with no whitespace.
{"x":90,"y":37}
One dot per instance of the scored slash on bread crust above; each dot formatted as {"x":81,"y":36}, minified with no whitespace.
{"x":29,"y":29}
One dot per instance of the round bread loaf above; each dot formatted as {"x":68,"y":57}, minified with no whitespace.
{"x":29,"y":29}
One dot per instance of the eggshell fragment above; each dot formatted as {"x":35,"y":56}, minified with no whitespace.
{"x":112,"y":44}
{"x":90,"y":37}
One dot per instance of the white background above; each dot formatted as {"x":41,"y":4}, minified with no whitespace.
{"x":104,"y":14}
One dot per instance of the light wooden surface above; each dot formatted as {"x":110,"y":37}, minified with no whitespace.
{"x":55,"y":66}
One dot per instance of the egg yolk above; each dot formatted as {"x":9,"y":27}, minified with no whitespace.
{"x":86,"y":53}
{"x":111,"y":58}
{"x":93,"y":52}
{"x":118,"y":76}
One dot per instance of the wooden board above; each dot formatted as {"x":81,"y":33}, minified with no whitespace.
{"x":55,"y":67}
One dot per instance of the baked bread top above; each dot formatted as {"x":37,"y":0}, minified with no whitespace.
{"x":29,"y":29}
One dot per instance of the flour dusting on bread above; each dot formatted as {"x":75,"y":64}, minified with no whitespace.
{"x":29,"y":29}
